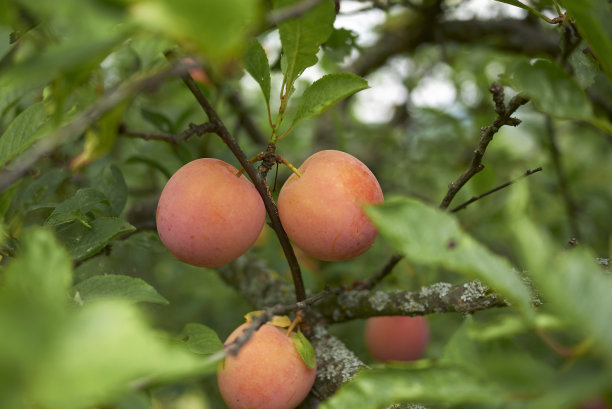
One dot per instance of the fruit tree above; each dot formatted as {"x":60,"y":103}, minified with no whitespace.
{"x":320,"y":167}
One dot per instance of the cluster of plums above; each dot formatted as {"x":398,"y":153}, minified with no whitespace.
{"x":207,"y":216}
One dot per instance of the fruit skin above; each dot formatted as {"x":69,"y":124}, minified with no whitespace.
{"x":206,"y":216}
{"x":267,"y":373}
{"x":321,"y":210}
{"x":397,"y":338}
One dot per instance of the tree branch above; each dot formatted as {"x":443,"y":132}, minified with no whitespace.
{"x":512,"y":35}
{"x":258,"y":181}
{"x":342,"y":305}
{"x":173,"y":139}
{"x":473,"y":199}
{"x":486,"y":136}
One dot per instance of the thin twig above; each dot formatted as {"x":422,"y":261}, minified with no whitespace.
{"x":261,"y":319}
{"x":173,"y":139}
{"x":382,"y":273}
{"x":258,"y":182}
{"x":486,"y":135}
{"x":528,"y":172}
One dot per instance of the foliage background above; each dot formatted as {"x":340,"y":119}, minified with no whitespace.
{"x":91,"y":176}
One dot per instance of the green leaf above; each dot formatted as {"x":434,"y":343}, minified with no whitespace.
{"x":593,"y":20}
{"x":326,"y":92}
{"x":580,"y":290}
{"x":119,"y":287}
{"x":378,"y":388}
{"x":76,"y":208}
{"x":84,"y":242}
{"x":305,"y":349}
{"x":301,"y":37}
{"x":201,"y":339}
{"x":101,"y":139}
{"x":257,"y":65}
{"x":42,"y":272}
{"x":110,"y":181}
{"x":22,"y":132}
{"x":35,"y":72}
{"x":429,"y":236}
{"x":551,"y":89}
{"x":218,"y":28}
{"x":104,"y":350}
{"x":43,"y":185}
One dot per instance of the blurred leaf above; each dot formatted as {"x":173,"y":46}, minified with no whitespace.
{"x":102,"y":349}
{"x":22,"y":132}
{"x":554,"y":92}
{"x":327,"y":91}
{"x":76,"y":208}
{"x":301,"y":37}
{"x":378,"y":388}
{"x":584,"y":66}
{"x":579,"y":289}
{"x":110,"y":181}
{"x":84,"y":242}
{"x":593,"y":20}
{"x":200,"y":339}
{"x":501,"y":360}
{"x":43,"y":185}
{"x":429,"y":236}
{"x":158,"y":120}
{"x":305,"y":349}
{"x":33,"y":300}
{"x":41,"y":273}
{"x":571,"y":281}
{"x":218,"y":28}
{"x":257,"y":65}
{"x":100,"y":140}
{"x":37,"y":71}
{"x":340,"y":44}
{"x":551,"y":89}
{"x":114,"y":286}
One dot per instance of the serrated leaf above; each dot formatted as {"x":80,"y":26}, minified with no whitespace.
{"x":301,"y":37}
{"x":257,"y":65}
{"x":201,"y":339}
{"x":326,"y":92}
{"x":22,"y":132}
{"x":119,"y":287}
{"x":593,"y":20}
{"x":84,"y":242}
{"x":305,"y":349}
{"x":378,"y":388}
{"x":430,"y":236}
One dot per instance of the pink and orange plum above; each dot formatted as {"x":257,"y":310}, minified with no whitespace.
{"x":207,"y":216}
{"x":267,"y":373}
{"x":321,"y":210}
{"x":397,"y":338}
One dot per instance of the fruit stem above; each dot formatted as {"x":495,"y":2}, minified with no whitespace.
{"x":290,"y":166}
